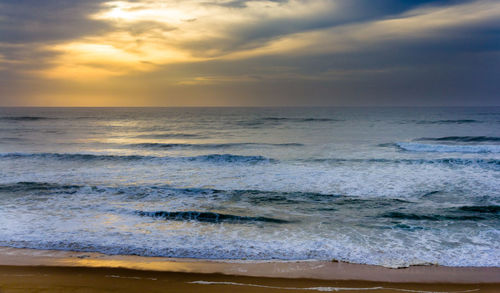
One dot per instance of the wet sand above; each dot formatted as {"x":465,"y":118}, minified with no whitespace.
{"x":27,"y":270}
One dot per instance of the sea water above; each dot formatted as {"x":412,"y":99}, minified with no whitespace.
{"x":385,"y":186}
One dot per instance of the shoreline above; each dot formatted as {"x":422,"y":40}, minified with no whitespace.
{"x":87,"y":279}
{"x":313,"y":270}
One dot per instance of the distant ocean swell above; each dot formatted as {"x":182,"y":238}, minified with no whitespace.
{"x":253,"y":121}
{"x":169,"y":135}
{"x":300,"y":119}
{"x":240,"y":159}
{"x":270,"y":121}
{"x":449,"y":121}
{"x":263,"y":120}
{"x":215,"y":158}
{"x":208,"y":145}
{"x":25,"y":118}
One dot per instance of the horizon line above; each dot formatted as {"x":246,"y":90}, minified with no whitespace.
{"x":297,"y":106}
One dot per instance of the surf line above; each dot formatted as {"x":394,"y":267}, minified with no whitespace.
{"x":326,"y":289}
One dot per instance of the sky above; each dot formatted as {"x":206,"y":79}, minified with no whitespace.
{"x":249,"y":53}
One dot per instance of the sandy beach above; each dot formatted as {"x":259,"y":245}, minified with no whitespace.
{"x":27,"y":270}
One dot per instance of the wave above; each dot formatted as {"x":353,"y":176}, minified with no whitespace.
{"x":252,"y":196}
{"x":481,"y":209}
{"x":214,"y":158}
{"x":228,"y":158}
{"x":462,"y":138}
{"x":255,"y":196}
{"x":430,"y":217}
{"x":458,"y":121}
{"x":300,"y":119}
{"x":485,"y":163}
{"x":168,"y":135}
{"x":259,"y":122}
{"x":74,"y":156}
{"x":420,"y":147}
{"x":207,"y":145}
{"x":25,"y":118}
{"x":209,"y":217}
{"x":38,"y":187}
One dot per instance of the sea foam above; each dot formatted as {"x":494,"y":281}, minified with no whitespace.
{"x":442,"y":148}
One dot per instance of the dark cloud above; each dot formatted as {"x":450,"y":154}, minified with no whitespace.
{"x":240,"y":3}
{"x":26,"y":21}
{"x":31,"y":21}
{"x":453,"y":65}
{"x":337,"y":13}
{"x":27,"y":27}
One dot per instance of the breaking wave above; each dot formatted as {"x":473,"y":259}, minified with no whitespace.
{"x":441,"y":148}
{"x":431,"y":217}
{"x":450,"y":162}
{"x":462,"y":138}
{"x":209,"y":217}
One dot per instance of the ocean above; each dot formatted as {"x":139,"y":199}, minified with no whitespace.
{"x":385,"y":186}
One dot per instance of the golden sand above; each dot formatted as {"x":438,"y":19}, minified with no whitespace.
{"x":27,"y":270}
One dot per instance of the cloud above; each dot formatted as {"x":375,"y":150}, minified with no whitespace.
{"x":422,"y":25}
{"x":31,"y":21}
{"x":152,"y":32}
{"x":239,"y":48}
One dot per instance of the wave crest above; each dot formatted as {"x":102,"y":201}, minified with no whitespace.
{"x":450,"y":121}
{"x":206,"y":145}
{"x":24,"y":118}
{"x":430,"y":217}
{"x":214,"y":158}
{"x":462,"y":138}
{"x":441,"y":148}
{"x":209,"y":217}
{"x":168,"y":135}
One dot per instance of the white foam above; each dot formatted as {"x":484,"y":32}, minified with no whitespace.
{"x":112,"y":194}
{"x":442,"y":148}
{"x":135,"y":278}
{"x":320,"y":289}
{"x":326,"y":289}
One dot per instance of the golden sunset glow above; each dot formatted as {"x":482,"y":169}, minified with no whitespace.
{"x":180,"y":46}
